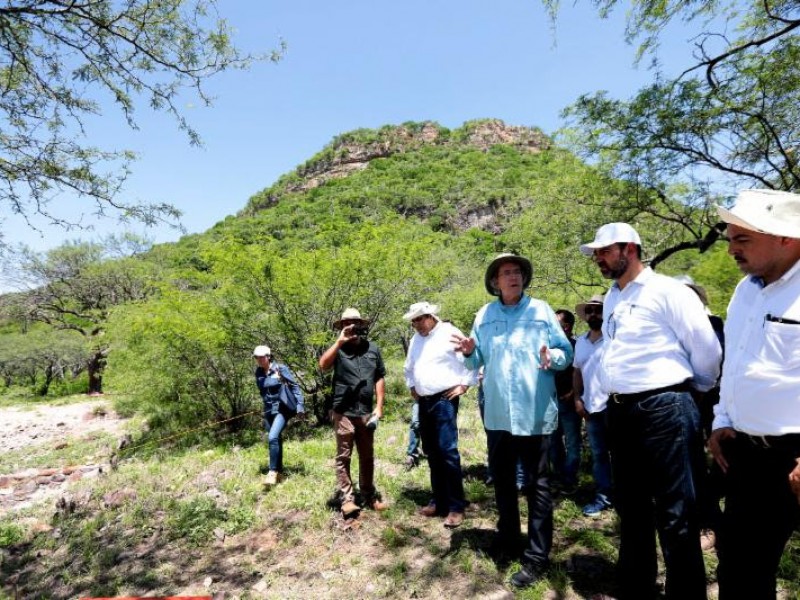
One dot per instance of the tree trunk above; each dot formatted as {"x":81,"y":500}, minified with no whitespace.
{"x":95,"y":367}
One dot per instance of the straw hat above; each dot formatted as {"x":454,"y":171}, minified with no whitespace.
{"x":350,"y":314}
{"x":580,"y":309}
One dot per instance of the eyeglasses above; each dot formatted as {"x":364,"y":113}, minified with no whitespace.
{"x":593,"y":310}
{"x":510,"y":273}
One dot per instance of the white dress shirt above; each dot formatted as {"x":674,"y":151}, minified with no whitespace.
{"x":657,"y":335}
{"x":587,"y":360}
{"x":432,"y":364}
{"x":760,"y":389}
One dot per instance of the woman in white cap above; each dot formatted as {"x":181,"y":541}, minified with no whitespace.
{"x":283,"y":399}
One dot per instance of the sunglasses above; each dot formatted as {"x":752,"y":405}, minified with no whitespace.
{"x":593,"y":310}
{"x":416,"y":320}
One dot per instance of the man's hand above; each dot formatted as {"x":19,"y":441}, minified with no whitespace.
{"x":346,"y":335}
{"x":580,"y":407}
{"x":465,"y":345}
{"x":715,"y":445}
{"x":544,"y":358}
{"x":456,"y":391}
{"x":794,"y":480}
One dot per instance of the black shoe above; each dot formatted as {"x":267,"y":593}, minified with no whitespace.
{"x":525,"y":577}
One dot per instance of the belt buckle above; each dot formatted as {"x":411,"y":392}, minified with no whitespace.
{"x":615,"y":397}
{"x":761,"y":441}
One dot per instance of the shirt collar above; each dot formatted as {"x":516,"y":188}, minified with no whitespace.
{"x":642,"y":278}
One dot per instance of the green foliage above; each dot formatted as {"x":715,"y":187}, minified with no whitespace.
{"x":10,"y":534}
{"x":59,"y":57}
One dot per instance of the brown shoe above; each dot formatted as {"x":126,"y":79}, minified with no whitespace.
{"x":350,"y":508}
{"x":454,"y":519}
{"x":428,"y":511}
{"x":376,"y":504}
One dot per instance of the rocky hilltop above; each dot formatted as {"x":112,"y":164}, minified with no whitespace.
{"x":353,"y":151}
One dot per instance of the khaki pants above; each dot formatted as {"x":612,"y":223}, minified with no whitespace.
{"x":353,"y":431}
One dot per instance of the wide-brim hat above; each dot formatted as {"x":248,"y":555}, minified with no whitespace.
{"x":698,"y":289}
{"x":491,"y":271}
{"x":611,"y":233}
{"x":350,"y":314}
{"x":262,"y":351}
{"x":420,"y":309}
{"x":766,"y":211}
{"x":580,"y":309}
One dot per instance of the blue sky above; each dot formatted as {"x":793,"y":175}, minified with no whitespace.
{"x":350,"y":65}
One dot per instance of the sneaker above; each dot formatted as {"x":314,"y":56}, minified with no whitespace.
{"x":708,"y":540}
{"x":350,"y":508}
{"x":596,"y":507}
{"x":272,"y":478}
{"x":525,"y":577}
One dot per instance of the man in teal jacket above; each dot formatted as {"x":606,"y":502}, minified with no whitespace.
{"x":519,"y":343}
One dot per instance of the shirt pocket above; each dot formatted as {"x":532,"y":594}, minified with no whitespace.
{"x":529,"y":335}
{"x":780,"y":349}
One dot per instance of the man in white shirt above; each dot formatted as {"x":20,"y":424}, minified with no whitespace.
{"x":756,"y":429}
{"x":658,"y":345}
{"x":436,"y":376}
{"x":590,"y":401}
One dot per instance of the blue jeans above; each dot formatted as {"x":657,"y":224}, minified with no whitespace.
{"x":505,"y":451}
{"x":413,"y":432}
{"x":439,"y":430}
{"x":597,"y":431}
{"x":565,"y":447}
{"x":656,"y":443}
{"x":274,"y":424}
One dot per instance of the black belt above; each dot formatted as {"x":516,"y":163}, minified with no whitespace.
{"x":636,"y":397}
{"x":771,"y":441}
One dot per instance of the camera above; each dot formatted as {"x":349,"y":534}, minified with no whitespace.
{"x":359,"y":330}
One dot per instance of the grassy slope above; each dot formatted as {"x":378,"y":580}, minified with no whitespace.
{"x":196,"y":516}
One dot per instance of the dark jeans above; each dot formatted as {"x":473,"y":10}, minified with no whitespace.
{"x":505,"y":450}
{"x":760,"y":514}
{"x":597,"y":432}
{"x":565,"y":447}
{"x":275,"y":424}
{"x":522,"y":478}
{"x":413,"y":432}
{"x":439,"y":431}
{"x":656,"y":444}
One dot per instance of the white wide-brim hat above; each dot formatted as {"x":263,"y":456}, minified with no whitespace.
{"x":611,"y":233}
{"x":491,"y":271}
{"x":350,"y":314}
{"x":767,"y":211}
{"x":420,"y":309}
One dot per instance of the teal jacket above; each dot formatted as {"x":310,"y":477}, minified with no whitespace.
{"x":520,"y":397}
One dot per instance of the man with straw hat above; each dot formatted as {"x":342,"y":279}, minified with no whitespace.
{"x":358,"y":378}
{"x":756,"y":429}
{"x":519,"y":343}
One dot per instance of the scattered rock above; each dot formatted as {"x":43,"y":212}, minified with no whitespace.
{"x":260,"y":587}
{"x":207,"y":582}
{"x":119,"y":497}
{"x":219,"y":533}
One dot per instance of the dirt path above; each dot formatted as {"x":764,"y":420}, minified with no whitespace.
{"x":45,"y":428}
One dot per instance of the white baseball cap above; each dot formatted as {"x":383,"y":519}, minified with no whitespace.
{"x":262,"y":351}
{"x":767,"y":211}
{"x":612,"y":233}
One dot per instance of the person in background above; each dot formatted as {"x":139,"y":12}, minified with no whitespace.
{"x":358,"y":383}
{"x":282,"y":399}
{"x":711,"y":481}
{"x":756,"y":429}
{"x":437,"y":378}
{"x":658,"y":345}
{"x":519,"y":343}
{"x":414,"y":451}
{"x":565,"y":446}
{"x":591,"y":401}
